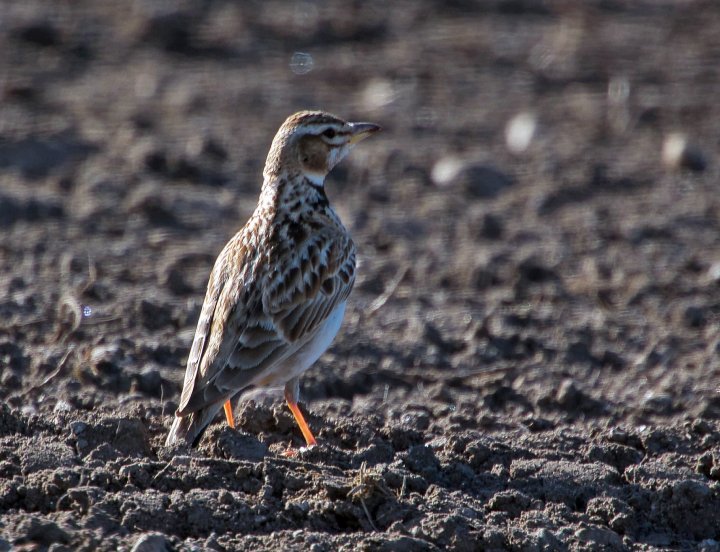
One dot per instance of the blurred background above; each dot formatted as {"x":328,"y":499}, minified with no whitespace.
{"x":537,"y":224}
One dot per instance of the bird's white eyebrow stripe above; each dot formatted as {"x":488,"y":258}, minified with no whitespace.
{"x":319,"y":128}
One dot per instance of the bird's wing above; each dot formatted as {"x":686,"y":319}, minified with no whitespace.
{"x":250,"y":322}
{"x":302,"y":298}
{"x":213,"y":340}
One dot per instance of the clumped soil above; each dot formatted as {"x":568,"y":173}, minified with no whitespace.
{"x":529,"y":360}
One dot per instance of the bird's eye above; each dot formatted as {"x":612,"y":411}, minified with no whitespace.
{"x":329,"y":133}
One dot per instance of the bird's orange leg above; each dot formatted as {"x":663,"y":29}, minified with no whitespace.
{"x":229,"y":414}
{"x":300,"y":419}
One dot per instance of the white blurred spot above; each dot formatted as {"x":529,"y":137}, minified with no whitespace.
{"x":519,"y":132}
{"x":301,"y":63}
{"x":444,"y":171}
{"x":673,"y":149}
{"x":714,"y":272}
{"x":87,"y":311}
{"x":378,"y":93}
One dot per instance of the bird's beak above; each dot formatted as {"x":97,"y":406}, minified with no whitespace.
{"x":360,"y":131}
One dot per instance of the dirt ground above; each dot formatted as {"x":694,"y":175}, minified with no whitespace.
{"x":530,"y":357}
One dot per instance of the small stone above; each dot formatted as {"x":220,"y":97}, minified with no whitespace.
{"x":78,"y":427}
{"x":513,"y":502}
{"x":151,"y":542}
{"x":657,"y":403}
{"x":600,"y":537}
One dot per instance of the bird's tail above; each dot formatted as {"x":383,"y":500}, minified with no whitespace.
{"x":188,"y":429}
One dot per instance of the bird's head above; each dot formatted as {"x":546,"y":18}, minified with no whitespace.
{"x":312,"y":143}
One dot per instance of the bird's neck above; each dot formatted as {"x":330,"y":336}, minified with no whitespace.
{"x":299,"y":192}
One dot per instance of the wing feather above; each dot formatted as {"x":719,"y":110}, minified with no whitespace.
{"x":300,"y":310}
{"x":242,"y":336}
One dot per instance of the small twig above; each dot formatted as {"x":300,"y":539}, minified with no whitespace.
{"x":70,"y":305}
{"x":60,"y":365}
{"x":24,"y":323}
{"x":173,"y":462}
{"x":162,"y":402}
{"x":367,"y":513}
{"x":52,"y":374}
{"x":92,"y":277}
{"x":165,"y":468}
{"x":101,"y":320}
{"x":365,"y":487}
{"x":389,"y":291}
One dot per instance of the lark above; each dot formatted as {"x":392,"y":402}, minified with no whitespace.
{"x":276,"y":296}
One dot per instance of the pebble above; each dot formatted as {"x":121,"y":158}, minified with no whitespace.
{"x":78,"y":427}
{"x":151,"y":542}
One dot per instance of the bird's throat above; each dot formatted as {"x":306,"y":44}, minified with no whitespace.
{"x":316,"y":179}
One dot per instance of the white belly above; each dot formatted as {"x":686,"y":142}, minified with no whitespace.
{"x":312,"y":350}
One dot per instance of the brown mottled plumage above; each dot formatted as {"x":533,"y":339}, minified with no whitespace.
{"x":277,"y":292}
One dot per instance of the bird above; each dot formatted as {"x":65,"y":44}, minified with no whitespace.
{"x":277,"y":292}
